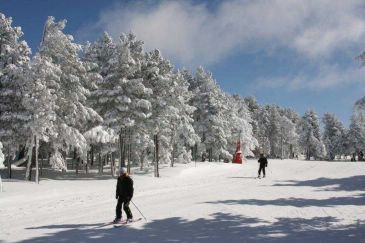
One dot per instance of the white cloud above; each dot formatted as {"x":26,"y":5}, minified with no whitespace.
{"x":195,"y":34}
{"x":328,"y":76}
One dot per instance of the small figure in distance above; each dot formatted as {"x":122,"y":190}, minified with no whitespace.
{"x":263,"y":163}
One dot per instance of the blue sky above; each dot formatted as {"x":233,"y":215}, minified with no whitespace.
{"x":298,"y":54}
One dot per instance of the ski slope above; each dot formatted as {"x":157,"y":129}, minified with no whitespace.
{"x":299,"y":201}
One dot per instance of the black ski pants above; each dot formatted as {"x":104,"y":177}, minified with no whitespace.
{"x":127,"y":210}
{"x":262,"y":167}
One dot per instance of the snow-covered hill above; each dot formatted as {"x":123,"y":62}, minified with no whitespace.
{"x":299,"y":201}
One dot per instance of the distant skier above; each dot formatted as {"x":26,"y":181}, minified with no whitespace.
{"x":263,"y":164}
{"x":124,"y":194}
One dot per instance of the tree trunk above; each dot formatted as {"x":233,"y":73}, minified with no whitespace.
{"x":9,"y":162}
{"x":74,"y":158}
{"x":196,"y":152}
{"x":210,"y":155}
{"x":129,"y":150}
{"x":142,"y":159}
{"x":112,"y":164}
{"x":173,"y":155}
{"x":49,"y":159}
{"x":92,"y":155}
{"x":129,"y":159}
{"x":154,"y":155}
{"x":41,"y":167}
{"x":103,"y":163}
{"x":157,"y":174}
{"x":87,"y":162}
{"x":30,"y":155}
{"x":36,"y":160}
{"x":122,"y":148}
{"x":77,"y":165}
{"x":31,"y":167}
{"x":100,"y":163}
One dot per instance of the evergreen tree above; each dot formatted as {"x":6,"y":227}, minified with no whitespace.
{"x":183,"y":133}
{"x":254,"y":109}
{"x":40,"y":101}
{"x":310,"y":137}
{"x":333,"y":136}
{"x":72,"y":113}
{"x":209,"y":120}
{"x":14,"y":60}
{"x":356,"y":134}
{"x":240,"y":123}
{"x":289,"y":136}
{"x":158,"y":76}
{"x":2,"y":157}
{"x":263,"y":121}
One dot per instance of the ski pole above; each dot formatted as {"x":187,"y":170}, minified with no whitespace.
{"x":139,"y":211}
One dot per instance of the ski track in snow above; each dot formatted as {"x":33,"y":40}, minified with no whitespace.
{"x":298,"y":201}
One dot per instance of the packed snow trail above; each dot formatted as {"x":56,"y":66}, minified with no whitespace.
{"x":298,"y":201}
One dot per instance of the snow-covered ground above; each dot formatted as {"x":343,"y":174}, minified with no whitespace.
{"x":299,"y":201}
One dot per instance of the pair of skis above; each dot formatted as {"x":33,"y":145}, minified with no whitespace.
{"x":125,"y":222}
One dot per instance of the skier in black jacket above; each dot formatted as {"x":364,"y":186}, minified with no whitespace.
{"x":124,"y":194}
{"x":263,"y":164}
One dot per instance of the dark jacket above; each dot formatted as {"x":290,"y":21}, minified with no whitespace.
{"x":263,"y":162}
{"x":124,"y":187}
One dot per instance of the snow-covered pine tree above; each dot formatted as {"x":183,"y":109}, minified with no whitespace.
{"x":183,"y":136}
{"x":104,"y":140}
{"x":310,"y":136}
{"x":263,"y":120}
{"x":254,"y":109}
{"x":121,"y":97}
{"x":288,"y":137}
{"x":209,"y":121}
{"x":101,"y":53}
{"x":333,"y":136}
{"x":274,"y":131}
{"x":72,"y":113}
{"x":274,"y":128}
{"x":2,"y":157}
{"x":240,"y":123}
{"x":40,"y":101}
{"x":158,"y":77}
{"x":14,"y":60}
{"x":97,"y":57}
{"x":139,"y":93}
{"x":269,"y":128}
{"x":356,"y":133}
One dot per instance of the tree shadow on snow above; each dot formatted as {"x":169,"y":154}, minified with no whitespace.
{"x":220,"y":228}
{"x":358,"y":200}
{"x":353,"y":183}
